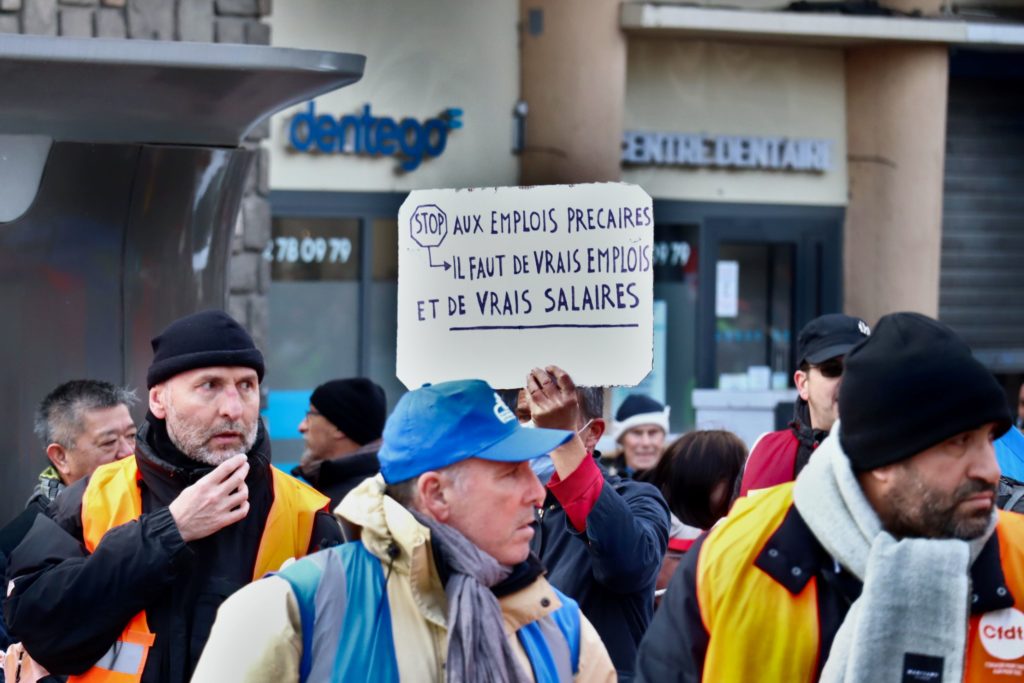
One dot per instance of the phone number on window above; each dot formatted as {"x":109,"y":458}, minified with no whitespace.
{"x":308,"y":250}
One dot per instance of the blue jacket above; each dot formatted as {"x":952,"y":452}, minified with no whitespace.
{"x":611,"y":568}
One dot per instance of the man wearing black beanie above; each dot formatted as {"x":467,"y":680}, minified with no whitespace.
{"x":886,"y":560}
{"x":342,"y":431}
{"x":124,"y":581}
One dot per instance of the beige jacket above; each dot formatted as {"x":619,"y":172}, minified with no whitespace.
{"x":257,"y":636}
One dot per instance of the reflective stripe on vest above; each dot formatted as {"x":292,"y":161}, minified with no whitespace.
{"x":113,"y":498}
{"x":338,"y":588}
{"x":126,"y":659}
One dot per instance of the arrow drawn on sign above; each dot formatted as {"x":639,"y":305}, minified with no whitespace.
{"x":430,"y":258}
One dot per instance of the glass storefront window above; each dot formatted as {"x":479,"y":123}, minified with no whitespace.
{"x":754,"y":315}
{"x":313,"y":249}
{"x":673,"y":377}
{"x":313,"y":334}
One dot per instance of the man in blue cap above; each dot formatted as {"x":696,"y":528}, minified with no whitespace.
{"x":440,"y":586}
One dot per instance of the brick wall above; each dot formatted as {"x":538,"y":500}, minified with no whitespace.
{"x":221,"y":21}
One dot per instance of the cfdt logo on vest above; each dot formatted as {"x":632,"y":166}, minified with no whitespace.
{"x":409,"y":140}
{"x":1002,"y":633}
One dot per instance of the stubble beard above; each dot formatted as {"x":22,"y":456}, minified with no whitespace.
{"x":826,"y":415}
{"x":917,"y":511}
{"x":193,"y":440}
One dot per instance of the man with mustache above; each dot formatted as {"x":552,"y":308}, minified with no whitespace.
{"x":886,"y":560}
{"x":122,"y":581}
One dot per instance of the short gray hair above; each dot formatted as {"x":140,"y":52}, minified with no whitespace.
{"x":405,"y":492}
{"x":59,"y":416}
{"x":591,"y":400}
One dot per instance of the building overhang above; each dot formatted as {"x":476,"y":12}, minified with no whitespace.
{"x":663,"y":20}
{"x":156,"y":92}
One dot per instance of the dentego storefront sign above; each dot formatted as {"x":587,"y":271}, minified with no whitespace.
{"x":409,"y":140}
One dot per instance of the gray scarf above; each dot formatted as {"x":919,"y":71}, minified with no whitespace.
{"x":913,"y":611}
{"x":478,"y":650}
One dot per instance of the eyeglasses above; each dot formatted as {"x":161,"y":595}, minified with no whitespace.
{"x":312,"y":411}
{"x":831,"y":368}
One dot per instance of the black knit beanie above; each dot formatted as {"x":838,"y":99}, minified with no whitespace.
{"x":356,"y":406}
{"x":637,"y":404}
{"x":202,"y":340}
{"x":910,"y":385}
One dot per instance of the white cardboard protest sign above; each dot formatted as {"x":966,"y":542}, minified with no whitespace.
{"x":494,"y":282}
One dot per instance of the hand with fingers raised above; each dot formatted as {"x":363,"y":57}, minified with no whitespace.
{"x":219,"y":499}
{"x":554,"y":404}
{"x":551,"y":394}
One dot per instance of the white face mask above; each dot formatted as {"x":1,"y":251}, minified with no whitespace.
{"x":530,"y":424}
{"x":543,"y":467}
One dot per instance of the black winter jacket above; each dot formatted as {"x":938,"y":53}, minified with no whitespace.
{"x":68,"y":606}
{"x":335,"y":478}
{"x":611,"y":568}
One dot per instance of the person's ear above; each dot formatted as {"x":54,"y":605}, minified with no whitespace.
{"x":58,"y":455}
{"x":593,"y":434}
{"x":157,"y":404}
{"x":885,"y":474}
{"x":800,"y":380}
{"x":878,"y":482}
{"x":433,"y":496}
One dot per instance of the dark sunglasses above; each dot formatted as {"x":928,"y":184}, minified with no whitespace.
{"x":831,"y":368}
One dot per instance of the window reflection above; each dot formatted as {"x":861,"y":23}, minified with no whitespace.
{"x":754,"y":316}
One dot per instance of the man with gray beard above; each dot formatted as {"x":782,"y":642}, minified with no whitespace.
{"x":122,"y":581}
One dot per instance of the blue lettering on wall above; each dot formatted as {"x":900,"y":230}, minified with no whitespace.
{"x":409,"y":140}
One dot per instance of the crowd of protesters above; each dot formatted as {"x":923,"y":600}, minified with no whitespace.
{"x":474,"y":535}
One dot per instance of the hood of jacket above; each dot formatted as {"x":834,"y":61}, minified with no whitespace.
{"x":401,"y":543}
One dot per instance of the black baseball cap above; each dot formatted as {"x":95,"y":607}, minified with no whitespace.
{"x":828,"y":336}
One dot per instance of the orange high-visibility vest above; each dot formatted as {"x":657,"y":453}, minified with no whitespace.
{"x":760,"y":631}
{"x":995,"y":641}
{"x":113,"y":498}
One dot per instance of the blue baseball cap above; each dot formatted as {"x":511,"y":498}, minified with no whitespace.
{"x":441,"y":424}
